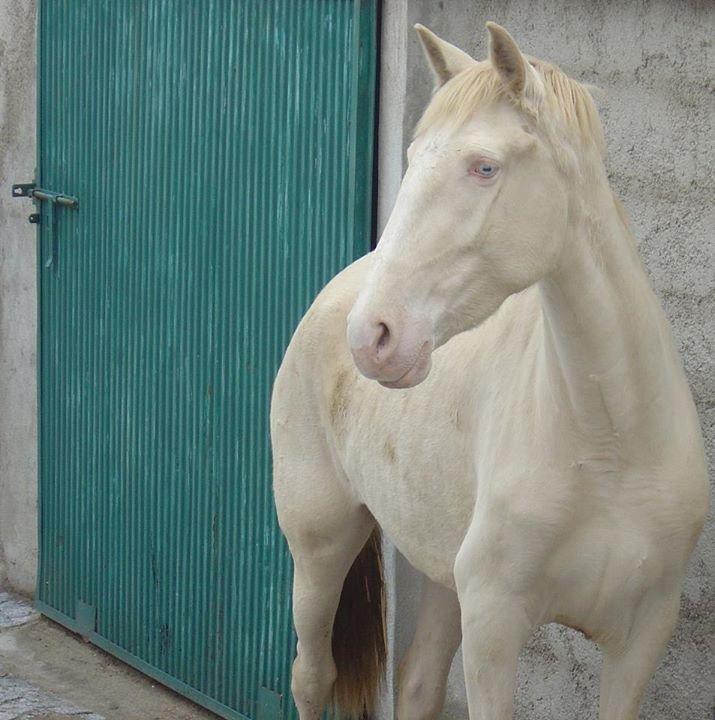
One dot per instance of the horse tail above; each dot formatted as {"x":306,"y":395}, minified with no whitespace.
{"x":359,"y":636}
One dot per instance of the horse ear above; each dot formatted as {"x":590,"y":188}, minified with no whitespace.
{"x":445,"y":59}
{"x":505,"y":56}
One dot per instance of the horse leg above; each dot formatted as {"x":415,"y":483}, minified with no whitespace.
{"x":424,"y":670}
{"x":326,"y":528}
{"x":318,"y":580}
{"x":495,"y":625}
{"x":627,"y":667}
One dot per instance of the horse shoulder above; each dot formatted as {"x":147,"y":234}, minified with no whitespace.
{"x":308,"y":482}
{"x":317,"y":351}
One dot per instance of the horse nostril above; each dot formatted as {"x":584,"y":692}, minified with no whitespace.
{"x":383,"y":338}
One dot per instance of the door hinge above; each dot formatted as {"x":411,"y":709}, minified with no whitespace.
{"x":269,"y":705}
{"x":86,"y":618}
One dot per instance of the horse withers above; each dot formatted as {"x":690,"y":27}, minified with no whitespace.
{"x":496,"y":388}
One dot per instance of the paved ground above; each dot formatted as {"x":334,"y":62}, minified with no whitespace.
{"x":47,"y":673}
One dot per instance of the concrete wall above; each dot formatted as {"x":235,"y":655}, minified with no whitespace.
{"x":654,"y":62}
{"x":18,"y":427}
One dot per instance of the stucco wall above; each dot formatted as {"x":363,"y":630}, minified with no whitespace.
{"x":18,"y":434}
{"x":654,"y":62}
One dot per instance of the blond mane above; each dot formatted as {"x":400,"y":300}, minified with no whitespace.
{"x":566,"y":100}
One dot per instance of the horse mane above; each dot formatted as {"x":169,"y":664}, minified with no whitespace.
{"x":567,"y":100}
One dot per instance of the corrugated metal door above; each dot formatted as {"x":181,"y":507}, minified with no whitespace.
{"x":221,"y":153}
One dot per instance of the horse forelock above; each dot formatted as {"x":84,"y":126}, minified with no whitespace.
{"x":567,"y":106}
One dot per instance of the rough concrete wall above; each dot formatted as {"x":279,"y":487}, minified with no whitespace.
{"x":18,"y":427}
{"x":653,"y":61}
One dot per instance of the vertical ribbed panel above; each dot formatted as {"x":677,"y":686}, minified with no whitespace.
{"x":221,"y":153}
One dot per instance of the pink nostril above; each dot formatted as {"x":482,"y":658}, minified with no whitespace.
{"x":373,"y":344}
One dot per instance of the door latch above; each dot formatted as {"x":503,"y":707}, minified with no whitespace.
{"x":37,"y":195}
{"x":30,"y":190}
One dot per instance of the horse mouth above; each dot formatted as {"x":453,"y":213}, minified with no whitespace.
{"x":415,"y":374}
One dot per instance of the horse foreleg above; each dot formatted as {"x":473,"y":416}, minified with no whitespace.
{"x":495,"y":624}
{"x":494,"y":630}
{"x":326,"y":529}
{"x":627,"y":667}
{"x":321,"y":564}
{"x":424,"y":670}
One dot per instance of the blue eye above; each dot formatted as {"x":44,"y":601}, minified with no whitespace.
{"x":485,"y":169}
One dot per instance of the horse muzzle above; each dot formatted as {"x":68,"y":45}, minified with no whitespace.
{"x":396,"y":355}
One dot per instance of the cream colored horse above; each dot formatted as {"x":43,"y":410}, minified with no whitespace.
{"x":545,"y":464}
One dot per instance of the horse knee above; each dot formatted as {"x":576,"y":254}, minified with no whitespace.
{"x":422,"y":680}
{"x":420,"y":697}
{"x":312,"y":680}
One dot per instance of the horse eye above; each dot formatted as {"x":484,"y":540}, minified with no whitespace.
{"x":485,"y":169}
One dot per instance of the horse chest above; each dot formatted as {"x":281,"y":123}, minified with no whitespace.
{"x":414,"y":470}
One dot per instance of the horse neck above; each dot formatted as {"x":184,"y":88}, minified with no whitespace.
{"x":606,"y":343}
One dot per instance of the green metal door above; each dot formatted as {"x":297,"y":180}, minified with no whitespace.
{"x":221,"y":155}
